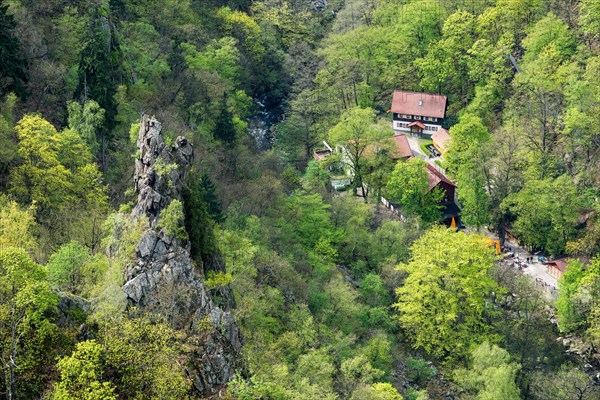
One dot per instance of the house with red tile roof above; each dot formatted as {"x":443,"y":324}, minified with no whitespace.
{"x":438,"y":180}
{"x":421,"y":114}
{"x":398,"y":149}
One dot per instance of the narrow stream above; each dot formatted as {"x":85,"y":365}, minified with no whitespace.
{"x":260,"y":124}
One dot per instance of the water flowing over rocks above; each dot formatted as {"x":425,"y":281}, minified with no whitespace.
{"x":164,"y":279}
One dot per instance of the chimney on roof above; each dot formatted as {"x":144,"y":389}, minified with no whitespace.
{"x":420,"y":103}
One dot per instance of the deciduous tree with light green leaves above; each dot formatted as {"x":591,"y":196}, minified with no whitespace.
{"x":491,"y":376}
{"x":81,"y":375}
{"x":466,"y":161}
{"x":446,"y":302}
{"x":409,"y":186}
{"x":355,"y":131}
{"x":577,"y":306}
{"x":17,"y":225}
{"x":546,"y":212}
{"x":26,"y":301}
{"x":57,"y":173}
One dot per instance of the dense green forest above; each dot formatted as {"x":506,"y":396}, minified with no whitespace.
{"x":335,"y":297}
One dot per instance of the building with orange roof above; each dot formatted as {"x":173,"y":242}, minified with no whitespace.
{"x":441,"y":140}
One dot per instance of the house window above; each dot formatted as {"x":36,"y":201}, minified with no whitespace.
{"x":405,"y":116}
{"x":417,"y":117}
{"x":433,"y":119}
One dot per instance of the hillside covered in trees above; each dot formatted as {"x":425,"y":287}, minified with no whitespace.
{"x":169,"y":228}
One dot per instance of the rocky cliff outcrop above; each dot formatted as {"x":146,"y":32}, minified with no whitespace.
{"x":164,"y":279}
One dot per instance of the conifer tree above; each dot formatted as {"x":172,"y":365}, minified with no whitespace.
{"x":96,"y":70}
{"x":13,"y":66}
{"x":210,"y":199}
{"x":224,"y":127}
{"x":198,"y":223}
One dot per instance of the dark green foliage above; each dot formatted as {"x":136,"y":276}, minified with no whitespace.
{"x":224,"y":127}
{"x":312,"y":271}
{"x":198,"y":222}
{"x":210,"y":199}
{"x":97,"y":69}
{"x":419,"y":370}
{"x":13,"y":66}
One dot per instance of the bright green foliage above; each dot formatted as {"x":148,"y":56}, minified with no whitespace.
{"x":355,"y":132}
{"x":316,"y":367}
{"x":121,"y":236}
{"x":289,"y":23}
{"x":66,"y":265}
{"x":546,"y":213}
{"x":220,"y":57}
{"x":357,"y":371}
{"x":445,"y":68}
{"x":373,"y":291}
{"x":172,"y":220}
{"x":163,"y":169}
{"x":316,"y":178}
{"x":412,"y":394}
{"x":467,"y":137}
{"x":376,"y":391}
{"x":444,"y":304}
{"x":354,"y":218}
{"x":466,"y":159}
{"x":491,"y":376}
{"x":578,"y":308}
{"x":142,"y":360}
{"x":81,"y":375}
{"x":590,"y":18}
{"x":307,"y":219}
{"x":72,"y":269}
{"x":245,"y":29}
{"x":138,"y":359}
{"x":86,"y":119}
{"x":26,"y":332}
{"x":393,"y":240}
{"x":378,"y":351}
{"x":57,"y":174}
{"x":549,"y":31}
{"x":214,"y":279}
{"x":409,"y":186}
{"x":144,"y":56}
{"x":17,"y":226}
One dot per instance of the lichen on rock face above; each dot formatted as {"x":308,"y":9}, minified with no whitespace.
{"x":164,"y":279}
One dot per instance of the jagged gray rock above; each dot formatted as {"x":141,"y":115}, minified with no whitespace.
{"x":318,"y":5}
{"x":71,"y":309}
{"x":164,"y":279}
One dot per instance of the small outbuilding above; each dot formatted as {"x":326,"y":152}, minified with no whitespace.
{"x":556,"y":268}
{"x":441,"y":140}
